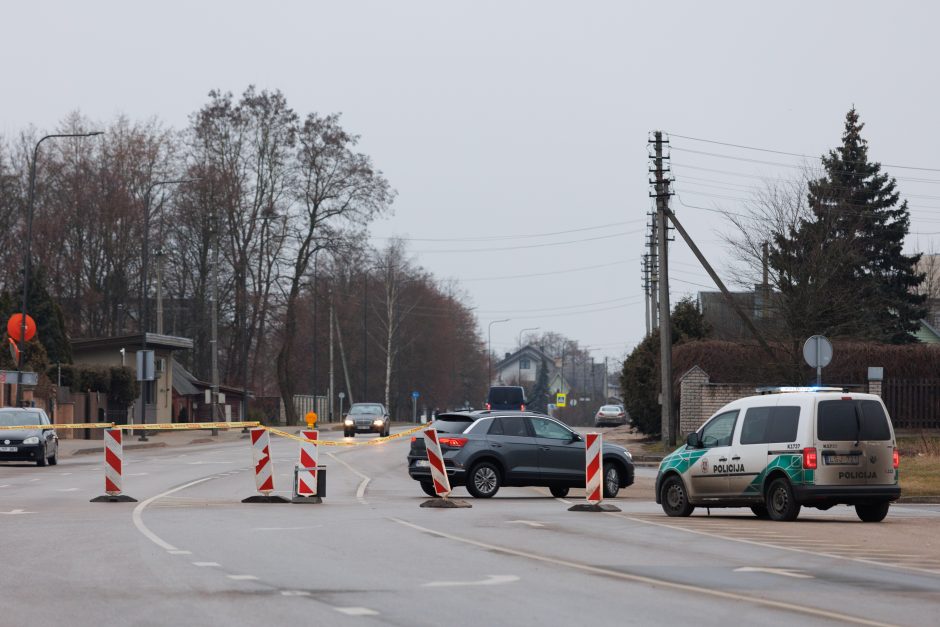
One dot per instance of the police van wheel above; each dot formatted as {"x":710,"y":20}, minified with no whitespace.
{"x":875,"y":512}
{"x":674,"y":498}
{"x":781,"y":505}
{"x":760,"y":511}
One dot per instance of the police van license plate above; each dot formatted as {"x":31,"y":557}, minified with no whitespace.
{"x":7,"y":449}
{"x":842,"y":460}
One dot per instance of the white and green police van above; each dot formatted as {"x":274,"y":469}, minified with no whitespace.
{"x":788,"y":448}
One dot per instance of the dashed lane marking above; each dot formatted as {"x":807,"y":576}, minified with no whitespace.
{"x":356,"y":611}
{"x":783,"y":572}
{"x":295,"y":593}
{"x":491,"y":580}
{"x":16,"y":512}
{"x":180,"y":552}
{"x":650,"y":581}
{"x":242,"y":577}
{"x":207,"y":564}
{"x":66,"y":489}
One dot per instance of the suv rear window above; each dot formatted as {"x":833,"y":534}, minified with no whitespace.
{"x":452,"y":424}
{"x":851,"y":421}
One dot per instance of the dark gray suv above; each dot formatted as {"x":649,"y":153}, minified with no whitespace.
{"x":488,"y":449}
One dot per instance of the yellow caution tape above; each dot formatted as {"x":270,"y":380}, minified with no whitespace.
{"x":77,"y":425}
{"x":183,"y":426}
{"x":171,"y":426}
{"x":291,"y":436}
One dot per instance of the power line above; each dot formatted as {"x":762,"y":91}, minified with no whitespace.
{"x":538,"y":274}
{"x":793,"y":154}
{"x":543,"y":245}
{"x":490,"y":238}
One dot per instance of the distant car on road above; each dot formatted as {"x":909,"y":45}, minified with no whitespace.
{"x":506,"y":397}
{"x":366,"y":417}
{"x":38,"y":445}
{"x":488,"y":449}
{"x":610,"y":416}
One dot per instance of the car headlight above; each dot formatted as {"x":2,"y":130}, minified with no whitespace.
{"x":378,"y":423}
{"x":32,"y":440}
{"x":348,"y":422}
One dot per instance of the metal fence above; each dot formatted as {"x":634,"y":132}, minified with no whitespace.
{"x":913,"y":403}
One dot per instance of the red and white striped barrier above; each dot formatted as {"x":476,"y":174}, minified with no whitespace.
{"x":436,"y":460}
{"x":594,"y":468}
{"x":307,"y":472}
{"x":261,"y":455}
{"x":113,"y":467}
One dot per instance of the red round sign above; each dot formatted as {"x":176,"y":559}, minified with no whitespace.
{"x":15,"y":327}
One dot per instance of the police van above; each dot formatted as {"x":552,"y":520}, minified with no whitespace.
{"x":784,"y":449}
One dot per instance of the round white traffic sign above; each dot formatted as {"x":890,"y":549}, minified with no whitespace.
{"x":817,"y":351}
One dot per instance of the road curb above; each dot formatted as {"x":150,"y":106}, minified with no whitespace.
{"x":100,"y":449}
{"x":919,"y":499}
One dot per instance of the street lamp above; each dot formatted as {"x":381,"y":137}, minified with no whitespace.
{"x":489,"y":349}
{"x":523,"y":331}
{"x":29,"y":240}
{"x":145,"y":304}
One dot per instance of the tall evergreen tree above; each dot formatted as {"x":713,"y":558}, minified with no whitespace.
{"x":843,"y":272}
{"x":539,"y":399}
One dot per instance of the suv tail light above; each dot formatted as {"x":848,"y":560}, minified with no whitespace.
{"x":488,"y":407}
{"x":896,"y":459}
{"x":522,"y":407}
{"x":453,"y":442}
{"x":413,"y":438}
{"x":810,"y":459}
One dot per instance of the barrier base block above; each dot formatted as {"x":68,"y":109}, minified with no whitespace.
{"x":263,"y":498}
{"x":113,"y":498}
{"x":444,"y":503}
{"x":594,"y":507}
{"x":312,"y":500}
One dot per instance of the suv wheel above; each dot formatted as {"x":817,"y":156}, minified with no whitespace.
{"x":559,"y":492}
{"x":611,"y":480}
{"x":874,"y":512}
{"x":781,"y":505}
{"x":674,"y":498}
{"x":428,"y":488}
{"x":483,"y":481}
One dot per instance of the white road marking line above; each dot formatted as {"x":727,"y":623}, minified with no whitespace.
{"x":137,"y":474}
{"x":31,"y":480}
{"x":16,"y":512}
{"x":64,"y":474}
{"x":242,"y":577}
{"x":492,"y":580}
{"x":531,"y":523}
{"x":286,"y":528}
{"x":361,"y":490}
{"x":294,"y":593}
{"x":66,"y":489}
{"x":180,"y":552}
{"x":5,"y":485}
{"x":139,"y":521}
{"x":778,"y":545}
{"x":356,"y":611}
{"x":207,"y":564}
{"x":651,"y":581}
{"x":784,"y":572}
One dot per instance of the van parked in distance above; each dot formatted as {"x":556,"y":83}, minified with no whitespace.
{"x":502,"y":397}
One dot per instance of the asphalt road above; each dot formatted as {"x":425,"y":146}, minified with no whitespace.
{"x":190,"y":553}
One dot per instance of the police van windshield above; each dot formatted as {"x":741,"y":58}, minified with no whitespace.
{"x":852,"y":420}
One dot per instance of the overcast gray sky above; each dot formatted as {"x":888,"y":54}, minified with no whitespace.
{"x":501,"y":122}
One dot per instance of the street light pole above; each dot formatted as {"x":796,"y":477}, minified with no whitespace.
{"x":489,"y":349}
{"x":27,"y":262}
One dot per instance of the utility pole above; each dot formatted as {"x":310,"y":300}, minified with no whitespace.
{"x":331,"y":356}
{"x":653,"y":269}
{"x":214,"y":303}
{"x":645,"y":268}
{"x":665,"y":329}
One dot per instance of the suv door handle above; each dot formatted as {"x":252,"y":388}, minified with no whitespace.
{"x":736,"y":457}
{"x":494,"y":445}
{"x":545,"y":448}
{"x":722,"y":459}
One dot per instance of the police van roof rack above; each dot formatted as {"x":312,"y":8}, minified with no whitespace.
{"x":786,"y":389}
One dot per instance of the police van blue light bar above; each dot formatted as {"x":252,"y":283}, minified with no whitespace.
{"x":785,"y":389}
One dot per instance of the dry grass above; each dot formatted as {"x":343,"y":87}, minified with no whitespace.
{"x":920,"y":464}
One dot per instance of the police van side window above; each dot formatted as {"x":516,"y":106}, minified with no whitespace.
{"x":719,"y":430}
{"x":763,"y":425}
{"x":755,"y":425}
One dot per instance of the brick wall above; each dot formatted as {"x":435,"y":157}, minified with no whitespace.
{"x":699,"y":399}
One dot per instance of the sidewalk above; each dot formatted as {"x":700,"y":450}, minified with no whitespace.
{"x":170,"y":438}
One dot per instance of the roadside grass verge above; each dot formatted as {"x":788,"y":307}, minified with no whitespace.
{"x":920,"y":464}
